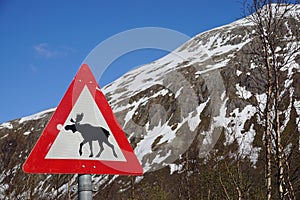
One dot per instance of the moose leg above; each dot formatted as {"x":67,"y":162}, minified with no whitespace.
{"x":80,"y":147}
{"x":91,"y":148}
{"x":112,"y":147}
{"x":101,"y":149}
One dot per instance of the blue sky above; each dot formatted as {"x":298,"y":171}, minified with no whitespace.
{"x":43,"y":43}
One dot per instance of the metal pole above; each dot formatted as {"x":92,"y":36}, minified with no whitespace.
{"x":85,"y":187}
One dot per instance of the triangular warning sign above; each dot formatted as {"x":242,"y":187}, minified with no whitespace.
{"x":83,"y":135}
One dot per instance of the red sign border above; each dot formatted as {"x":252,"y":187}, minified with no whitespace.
{"x":36,"y":161}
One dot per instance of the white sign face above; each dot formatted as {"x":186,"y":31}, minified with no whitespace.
{"x":83,"y":134}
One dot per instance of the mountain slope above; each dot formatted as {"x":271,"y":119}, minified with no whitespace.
{"x":192,"y":119}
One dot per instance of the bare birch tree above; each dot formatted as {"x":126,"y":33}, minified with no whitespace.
{"x":278,"y":44}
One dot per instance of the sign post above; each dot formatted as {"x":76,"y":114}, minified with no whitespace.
{"x":83,"y":137}
{"x":84,"y":187}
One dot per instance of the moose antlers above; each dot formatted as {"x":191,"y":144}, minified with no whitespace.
{"x":79,"y":117}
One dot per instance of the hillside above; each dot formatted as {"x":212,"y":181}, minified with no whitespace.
{"x":193,"y":119}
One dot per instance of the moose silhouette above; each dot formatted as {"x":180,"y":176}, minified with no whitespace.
{"x":90,"y":133}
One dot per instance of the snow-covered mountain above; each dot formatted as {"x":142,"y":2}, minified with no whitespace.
{"x":191,"y":118}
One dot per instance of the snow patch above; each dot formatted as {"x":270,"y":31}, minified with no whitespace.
{"x":27,"y":133}
{"x":253,"y":66}
{"x":288,"y":83}
{"x":242,"y":92}
{"x":138,"y":179}
{"x":175,"y":168}
{"x":221,"y":119}
{"x":262,"y":101}
{"x":213,"y":67}
{"x":223,"y":95}
{"x":101,"y":180}
{"x":7,"y":125}
{"x":145,"y":146}
{"x":178,"y":92}
{"x":159,"y":159}
{"x":218,"y":121}
{"x":193,"y":122}
{"x":4,"y":136}
{"x":235,"y":132}
{"x":36,"y":116}
{"x":136,"y":104}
